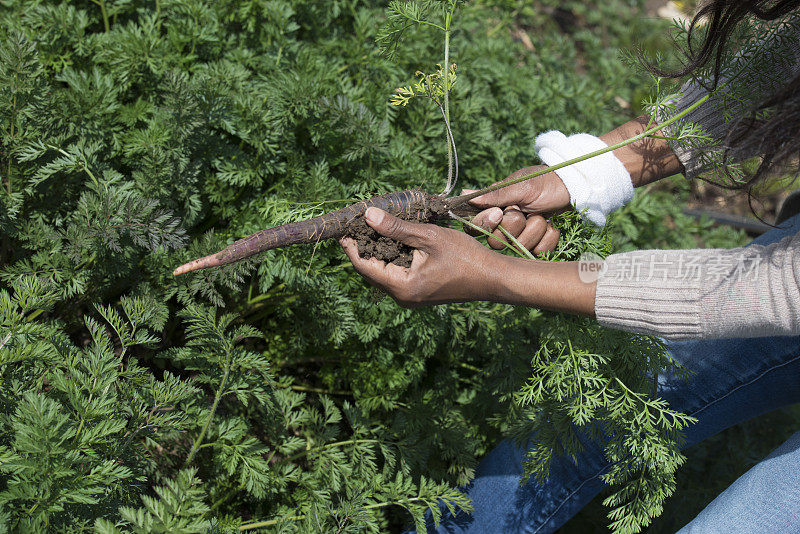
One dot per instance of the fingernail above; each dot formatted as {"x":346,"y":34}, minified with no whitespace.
{"x":374,"y":216}
{"x":495,"y":216}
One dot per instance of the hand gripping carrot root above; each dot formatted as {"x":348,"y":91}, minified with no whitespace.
{"x":412,"y":204}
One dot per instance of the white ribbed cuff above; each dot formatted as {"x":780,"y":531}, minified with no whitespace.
{"x":599,"y":185}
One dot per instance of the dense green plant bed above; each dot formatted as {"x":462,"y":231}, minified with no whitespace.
{"x":280,"y":392}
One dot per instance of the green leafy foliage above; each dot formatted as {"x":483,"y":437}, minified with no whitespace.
{"x":735,"y":76}
{"x":428,"y":85}
{"x":577,"y":391}
{"x":278,"y":393}
{"x":402,"y":15}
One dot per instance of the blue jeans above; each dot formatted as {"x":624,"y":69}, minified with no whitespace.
{"x":733,"y":380}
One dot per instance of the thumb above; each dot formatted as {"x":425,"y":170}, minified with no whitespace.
{"x":388,"y":225}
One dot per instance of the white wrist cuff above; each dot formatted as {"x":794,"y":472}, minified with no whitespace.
{"x":599,"y":185}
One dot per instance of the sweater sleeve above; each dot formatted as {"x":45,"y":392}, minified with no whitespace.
{"x":740,"y":89}
{"x":713,"y":293}
{"x":751,"y":291}
{"x":717,"y":117}
{"x":695,"y":159}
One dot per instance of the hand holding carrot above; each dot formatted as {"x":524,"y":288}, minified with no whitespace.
{"x":519,"y":208}
{"x":448,"y":265}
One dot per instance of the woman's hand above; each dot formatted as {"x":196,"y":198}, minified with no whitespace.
{"x":448,"y":265}
{"x":519,"y":209}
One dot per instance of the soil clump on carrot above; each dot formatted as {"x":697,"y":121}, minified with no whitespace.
{"x":373,"y":245}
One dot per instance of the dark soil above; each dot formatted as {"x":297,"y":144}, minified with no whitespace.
{"x":373,"y":245}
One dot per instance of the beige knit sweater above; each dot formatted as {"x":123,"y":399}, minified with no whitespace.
{"x":751,"y":291}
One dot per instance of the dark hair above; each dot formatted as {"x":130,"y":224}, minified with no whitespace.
{"x":772,"y":124}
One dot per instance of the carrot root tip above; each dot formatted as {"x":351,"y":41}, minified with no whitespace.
{"x":194,"y":265}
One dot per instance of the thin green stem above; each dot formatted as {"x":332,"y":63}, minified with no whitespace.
{"x":86,"y":169}
{"x":271,"y":293}
{"x":514,"y":240}
{"x":485,"y":232}
{"x":217,"y":397}
{"x":301,"y":361}
{"x":320,"y":202}
{"x":91,"y":399}
{"x":104,"y":12}
{"x":452,"y":180}
{"x":389,"y":503}
{"x":272,"y":522}
{"x":575,"y":369}
{"x":328,"y":446}
{"x":472,"y":368}
{"x":5,"y":340}
{"x":34,"y":314}
{"x":9,"y":188}
{"x":129,"y":440}
{"x":135,"y":431}
{"x":225,"y":497}
{"x":33,"y":508}
{"x":432,"y":24}
{"x":446,"y":87}
{"x":321,"y":391}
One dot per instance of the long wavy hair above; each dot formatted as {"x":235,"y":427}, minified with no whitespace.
{"x":772,"y":124}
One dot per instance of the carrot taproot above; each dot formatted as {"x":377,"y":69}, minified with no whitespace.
{"x":411,"y":204}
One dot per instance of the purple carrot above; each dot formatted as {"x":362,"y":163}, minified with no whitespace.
{"x":412,"y":204}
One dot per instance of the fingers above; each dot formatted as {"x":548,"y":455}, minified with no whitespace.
{"x":377,"y":272}
{"x":513,"y":221}
{"x":545,"y":193}
{"x":548,"y":242}
{"x":538,"y":235}
{"x":363,"y":266}
{"x":535,"y":229}
{"x":487,"y":219}
{"x":413,"y":234}
{"x":535,"y":233}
